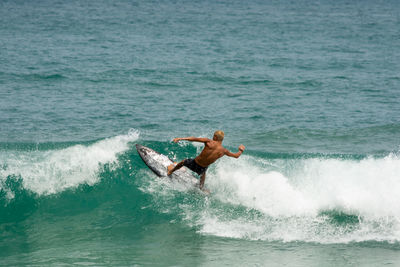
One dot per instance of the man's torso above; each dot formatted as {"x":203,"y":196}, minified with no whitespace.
{"x":212,"y":151}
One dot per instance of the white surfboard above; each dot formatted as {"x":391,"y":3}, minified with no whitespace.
{"x":158,"y":163}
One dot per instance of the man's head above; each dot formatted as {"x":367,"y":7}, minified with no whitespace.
{"x":218,"y":135}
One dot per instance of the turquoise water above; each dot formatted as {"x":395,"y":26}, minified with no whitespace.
{"x":311,"y":88}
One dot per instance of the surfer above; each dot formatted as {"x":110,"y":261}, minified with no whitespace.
{"x":212,"y":151}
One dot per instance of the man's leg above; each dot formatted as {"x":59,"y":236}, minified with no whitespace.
{"x":202,"y":180}
{"x":171,"y":168}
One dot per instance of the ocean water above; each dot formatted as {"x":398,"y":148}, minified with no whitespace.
{"x":310,"y":87}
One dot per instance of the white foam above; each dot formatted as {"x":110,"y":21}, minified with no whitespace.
{"x":52,"y":171}
{"x":267,"y":191}
{"x":291,"y":194}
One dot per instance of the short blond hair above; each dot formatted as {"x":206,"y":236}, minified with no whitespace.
{"x":219,"y":134}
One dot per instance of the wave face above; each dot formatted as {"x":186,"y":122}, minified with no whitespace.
{"x":308,"y":198}
{"x":28,"y":176}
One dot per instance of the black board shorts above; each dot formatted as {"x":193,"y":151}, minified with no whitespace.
{"x":192,"y":165}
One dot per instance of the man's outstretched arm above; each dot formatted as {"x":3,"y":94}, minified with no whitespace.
{"x":192,"y":139}
{"x":237,"y":154}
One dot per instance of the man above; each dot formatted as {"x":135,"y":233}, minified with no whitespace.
{"x":212,"y":151}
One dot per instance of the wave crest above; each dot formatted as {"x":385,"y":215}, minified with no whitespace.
{"x":52,"y":171}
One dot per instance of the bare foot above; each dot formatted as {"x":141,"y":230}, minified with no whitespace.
{"x":170,"y":168}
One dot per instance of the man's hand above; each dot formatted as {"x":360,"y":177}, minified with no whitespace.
{"x":176,"y":140}
{"x":241,"y":148}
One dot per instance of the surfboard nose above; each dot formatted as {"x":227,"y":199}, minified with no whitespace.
{"x":141,"y":149}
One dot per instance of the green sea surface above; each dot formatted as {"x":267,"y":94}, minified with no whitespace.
{"x":310,"y":87}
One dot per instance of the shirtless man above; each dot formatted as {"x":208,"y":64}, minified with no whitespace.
{"x":212,"y":151}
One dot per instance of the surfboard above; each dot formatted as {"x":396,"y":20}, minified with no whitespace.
{"x":158,"y":163}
